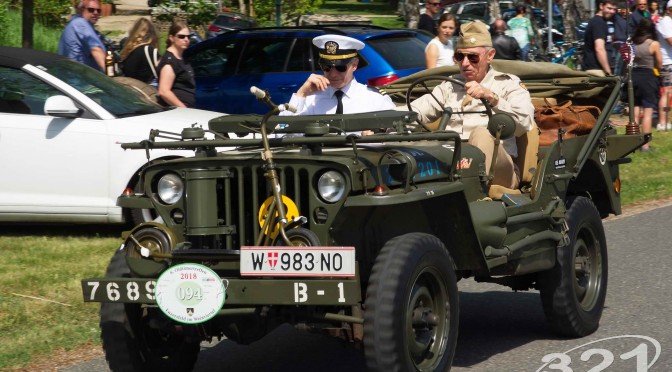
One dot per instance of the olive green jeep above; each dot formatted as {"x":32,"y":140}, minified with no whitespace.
{"x":299,"y":220}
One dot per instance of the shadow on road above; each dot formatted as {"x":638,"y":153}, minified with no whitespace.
{"x":496,"y":322}
{"x":491,"y":323}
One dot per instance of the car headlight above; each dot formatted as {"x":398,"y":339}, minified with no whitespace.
{"x":170,"y":188}
{"x":331,"y":186}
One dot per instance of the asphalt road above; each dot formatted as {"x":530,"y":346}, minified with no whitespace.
{"x":501,"y":330}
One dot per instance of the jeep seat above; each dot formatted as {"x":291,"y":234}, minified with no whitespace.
{"x":528,"y":148}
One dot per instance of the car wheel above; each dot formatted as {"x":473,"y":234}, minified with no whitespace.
{"x":411,"y":309}
{"x":130,"y":343}
{"x":145,"y":89}
{"x":574,"y":291}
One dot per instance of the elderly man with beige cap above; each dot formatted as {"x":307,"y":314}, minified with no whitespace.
{"x":337,"y":91}
{"x":504,"y":92}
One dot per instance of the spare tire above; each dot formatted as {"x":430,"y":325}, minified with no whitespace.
{"x":142,"y":87}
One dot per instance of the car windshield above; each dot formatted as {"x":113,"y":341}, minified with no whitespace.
{"x":118,"y":99}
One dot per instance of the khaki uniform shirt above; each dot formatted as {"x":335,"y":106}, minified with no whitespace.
{"x":513,"y":99}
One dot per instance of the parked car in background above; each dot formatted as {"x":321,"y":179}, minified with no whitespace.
{"x":468,"y":11}
{"x":61,"y":124}
{"x":229,"y":21}
{"x":280,"y":59}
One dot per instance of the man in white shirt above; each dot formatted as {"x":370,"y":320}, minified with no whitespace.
{"x":664,"y":29}
{"x":320,"y":93}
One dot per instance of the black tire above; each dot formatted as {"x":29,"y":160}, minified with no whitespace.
{"x":412,"y":312}
{"x":131,"y":345}
{"x":299,"y":237}
{"x":145,"y":89}
{"x":574,"y":291}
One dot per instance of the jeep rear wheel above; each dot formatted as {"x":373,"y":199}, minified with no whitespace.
{"x":129,"y":342}
{"x":574,"y":291}
{"x":412,"y":313}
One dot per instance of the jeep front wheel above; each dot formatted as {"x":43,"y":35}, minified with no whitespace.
{"x":412,"y":313}
{"x":574,"y":291}
{"x":131,"y":344}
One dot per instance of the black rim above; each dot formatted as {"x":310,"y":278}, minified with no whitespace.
{"x":587,"y":269}
{"x":428,"y":319}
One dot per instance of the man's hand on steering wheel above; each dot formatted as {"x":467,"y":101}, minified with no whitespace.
{"x":486,"y":95}
{"x":476,"y":90}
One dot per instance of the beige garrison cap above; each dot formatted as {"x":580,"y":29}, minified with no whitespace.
{"x":474,"y":34}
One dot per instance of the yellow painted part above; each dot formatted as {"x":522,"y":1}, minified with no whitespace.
{"x":291,"y":212}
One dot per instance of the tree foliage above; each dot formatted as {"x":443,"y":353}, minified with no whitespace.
{"x":290,"y":9}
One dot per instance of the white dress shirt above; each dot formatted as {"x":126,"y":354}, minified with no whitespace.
{"x":357,"y":98}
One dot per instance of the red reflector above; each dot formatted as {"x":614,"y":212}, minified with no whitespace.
{"x":382,"y":80}
{"x":127,"y":192}
{"x":214,"y":28}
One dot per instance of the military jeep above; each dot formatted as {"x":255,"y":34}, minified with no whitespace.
{"x":301,"y":220}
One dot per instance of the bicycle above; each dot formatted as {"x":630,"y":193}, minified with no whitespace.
{"x":569,"y":54}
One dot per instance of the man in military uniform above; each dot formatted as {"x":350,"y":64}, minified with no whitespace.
{"x":337,"y":91}
{"x":503,"y":91}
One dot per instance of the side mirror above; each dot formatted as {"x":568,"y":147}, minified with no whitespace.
{"x":61,"y":107}
{"x":502,"y":123}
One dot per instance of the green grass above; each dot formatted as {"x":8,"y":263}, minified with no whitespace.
{"x":357,"y":8}
{"x":648,"y":176}
{"x":44,"y":38}
{"x":47,"y":264}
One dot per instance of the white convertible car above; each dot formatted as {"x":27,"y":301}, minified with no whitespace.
{"x":61,"y":126}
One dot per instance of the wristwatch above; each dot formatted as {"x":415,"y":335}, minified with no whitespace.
{"x":495,"y":100}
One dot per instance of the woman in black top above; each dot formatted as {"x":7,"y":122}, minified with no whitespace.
{"x":140,"y":52}
{"x":177,"y":86}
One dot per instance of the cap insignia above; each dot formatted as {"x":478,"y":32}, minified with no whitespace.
{"x":331,"y":47}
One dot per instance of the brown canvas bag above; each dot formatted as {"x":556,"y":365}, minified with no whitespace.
{"x":577,"y":120}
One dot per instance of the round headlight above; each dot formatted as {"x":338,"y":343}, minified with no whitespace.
{"x":170,"y":188}
{"x":331,"y":186}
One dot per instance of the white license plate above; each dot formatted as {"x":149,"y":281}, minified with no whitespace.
{"x":297,"y":261}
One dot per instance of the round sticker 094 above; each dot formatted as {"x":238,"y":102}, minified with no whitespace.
{"x":190,"y":293}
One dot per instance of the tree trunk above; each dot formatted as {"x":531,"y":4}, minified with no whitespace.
{"x":242,"y":6}
{"x":495,"y":12}
{"x":412,"y":13}
{"x":27,"y":20}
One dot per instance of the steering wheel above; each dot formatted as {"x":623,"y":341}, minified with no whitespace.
{"x":447,"y":111}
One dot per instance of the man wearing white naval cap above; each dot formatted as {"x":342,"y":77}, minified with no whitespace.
{"x":337,"y":91}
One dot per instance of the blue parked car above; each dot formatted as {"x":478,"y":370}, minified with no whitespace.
{"x":280,"y":59}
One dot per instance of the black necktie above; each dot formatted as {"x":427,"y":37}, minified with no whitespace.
{"x":339,"y":98}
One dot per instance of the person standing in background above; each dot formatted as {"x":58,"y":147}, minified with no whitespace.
{"x":655,"y":12}
{"x":140,"y":52}
{"x":644,"y":80}
{"x":506,"y":46}
{"x":80,"y":41}
{"x":521,"y":29}
{"x":427,"y":21}
{"x":597,"y":38}
{"x":664,"y":31}
{"x":439,"y":51}
{"x":177,"y":86}
{"x":640,"y":12}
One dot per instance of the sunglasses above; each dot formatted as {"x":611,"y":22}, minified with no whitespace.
{"x":181,"y":36}
{"x":473,"y":58}
{"x":93,"y":10}
{"x":434,"y":4}
{"x":327,"y":68}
